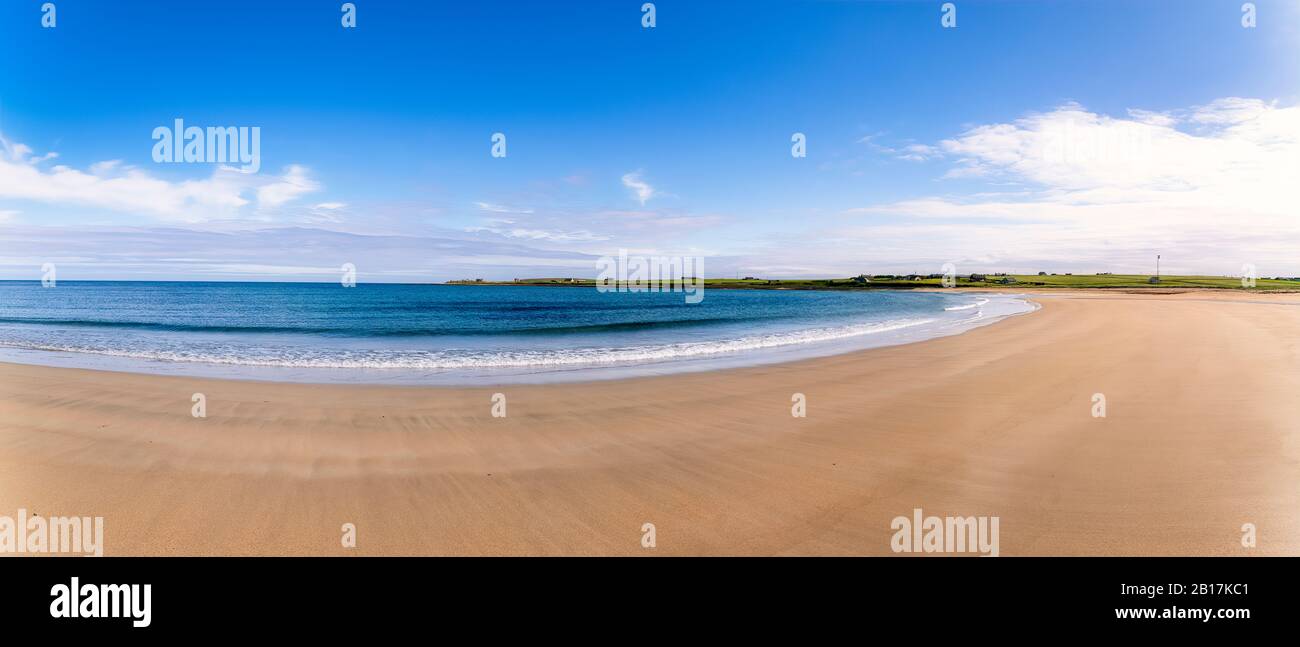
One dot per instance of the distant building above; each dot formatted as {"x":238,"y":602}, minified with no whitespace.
{"x":978,"y":277}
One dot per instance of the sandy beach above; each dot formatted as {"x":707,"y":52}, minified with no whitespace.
{"x":1202,"y":435}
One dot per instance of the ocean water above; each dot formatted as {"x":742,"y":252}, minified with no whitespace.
{"x":445,"y":334}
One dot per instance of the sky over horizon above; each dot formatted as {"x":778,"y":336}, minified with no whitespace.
{"x":1073,"y":136}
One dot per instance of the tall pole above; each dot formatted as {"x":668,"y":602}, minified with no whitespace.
{"x":1157,"y":267}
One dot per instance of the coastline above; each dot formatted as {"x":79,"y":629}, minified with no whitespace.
{"x":1199,"y":439}
{"x":452,"y":362}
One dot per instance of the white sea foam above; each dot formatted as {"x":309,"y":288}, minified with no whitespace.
{"x":475,"y":359}
{"x":968,"y":306}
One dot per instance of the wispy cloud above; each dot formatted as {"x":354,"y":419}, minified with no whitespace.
{"x":290,"y":186}
{"x":909,"y":151}
{"x":272,"y":253}
{"x":639,"y":187}
{"x":503,"y":228}
{"x":497,"y":208}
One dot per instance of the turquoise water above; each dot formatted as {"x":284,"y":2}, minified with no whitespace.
{"x":454,"y":334}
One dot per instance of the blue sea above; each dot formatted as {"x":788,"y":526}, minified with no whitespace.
{"x":456,"y":334}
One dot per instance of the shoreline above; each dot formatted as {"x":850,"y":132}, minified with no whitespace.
{"x":842,"y":338}
{"x":1199,"y":439}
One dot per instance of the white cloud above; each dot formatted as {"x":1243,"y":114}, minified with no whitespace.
{"x":1230,"y":110}
{"x":1153,"y":118}
{"x":105,"y":168}
{"x":1213,"y":185}
{"x":918,"y":152}
{"x":911,"y":151}
{"x":640,"y":188}
{"x":1252,"y":146}
{"x":496,"y":208}
{"x":329,"y":206}
{"x":113,"y":186}
{"x":273,"y":253}
{"x":549,"y":235}
{"x":294,"y":183}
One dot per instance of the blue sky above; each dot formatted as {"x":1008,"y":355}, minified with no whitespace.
{"x":1063,"y":136}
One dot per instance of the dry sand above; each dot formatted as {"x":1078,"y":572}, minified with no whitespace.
{"x":1202,"y":435}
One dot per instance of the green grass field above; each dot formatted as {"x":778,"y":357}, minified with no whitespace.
{"x":1101,"y":281}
